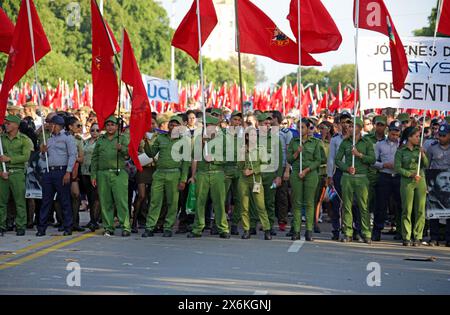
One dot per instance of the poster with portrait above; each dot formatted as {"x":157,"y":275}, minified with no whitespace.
{"x":438,"y":197}
{"x":33,"y":178}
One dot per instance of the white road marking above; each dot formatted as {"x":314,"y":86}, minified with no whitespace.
{"x":295,"y":247}
{"x":261,"y":293}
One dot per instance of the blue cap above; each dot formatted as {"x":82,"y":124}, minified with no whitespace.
{"x":58,"y":120}
{"x":395,"y":125}
{"x":444,"y":129}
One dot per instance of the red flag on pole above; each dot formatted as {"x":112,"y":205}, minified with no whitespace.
{"x":336,"y":105}
{"x":444,"y":21}
{"x":260,"y":36}
{"x":6,"y":32}
{"x":141,"y":116}
{"x":374,"y":16}
{"x":186,"y":35}
{"x":319,"y":33}
{"x":20,"y":54}
{"x":104,"y":79}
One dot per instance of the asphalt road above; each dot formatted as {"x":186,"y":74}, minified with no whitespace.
{"x":209,"y":265}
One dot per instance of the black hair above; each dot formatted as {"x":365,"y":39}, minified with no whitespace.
{"x":277,"y":115}
{"x":28,"y":128}
{"x":70,"y":121}
{"x":408,"y":132}
{"x":190,"y":112}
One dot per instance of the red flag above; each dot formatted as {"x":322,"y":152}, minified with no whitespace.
{"x":20,"y":53}
{"x":306,"y":101}
{"x":260,"y":36}
{"x":141,"y":116}
{"x":6,"y":32}
{"x":76,"y":96}
{"x":319,"y":33}
{"x":323,"y":103}
{"x":349,"y":101}
{"x":444,"y":21}
{"x":105,"y":87}
{"x":186,"y":35}
{"x":57,"y":97}
{"x":374,"y":16}
{"x":336,"y":105}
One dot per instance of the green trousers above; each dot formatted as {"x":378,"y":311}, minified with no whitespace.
{"x":413,"y":199}
{"x":371,"y":201}
{"x":113,"y":191}
{"x":269,"y":201}
{"x":355,"y":187}
{"x":165,"y":183}
{"x":16,"y":184}
{"x":232,"y":181}
{"x":303,"y":196}
{"x":214,"y":182}
{"x":247,"y":196}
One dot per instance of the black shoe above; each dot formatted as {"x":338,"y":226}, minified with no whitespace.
{"x":417,"y":243}
{"x":20,"y":232}
{"x":78,"y":229}
{"x":407,"y":243}
{"x":57,"y":225}
{"x":158,"y":230}
{"x":181,"y":230}
{"x":234,"y":230}
{"x":376,"y":236}
{"x":272,"y":232}
{"x":295,"y":236}
{"x":335,"y":236}
{"x":224,"y":235}
{"x":447,"y":244}
{"x":167,"y":233}
{"x":367,"y":240}
{"x":193,"y":235}
{"x":346,"y":239}
{"x":290,"y":233}
{"x":147,"y":233}
{"x":67,"y":233}
{"x":10,"y":228}
{"x":39,"y":234}
{"x":246,"y":235}
{"x":93,"y":227}
{"x":134,"y":230}
{"x":398,"y":237}
{"x":125,"y":233}
{"x":30,"y":226}
{"x":433,"y":243}
{"x":214,"y":231}
{"x":252,"y":231}
{"x":356,"y":237}
{"x":61,"y":229}
{"x":2,"y":233}
{"x":267,"y":235}
{"x":308,"y":236}
{"x":316,"y":228}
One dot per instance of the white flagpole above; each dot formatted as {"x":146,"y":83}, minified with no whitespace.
{"x":1,"y":153}
{"x":30,"y":25}
{"x":299,"y":79}
{"x":430,"y":74}
{"x":355,"y":106}
{"x":199,"y":28}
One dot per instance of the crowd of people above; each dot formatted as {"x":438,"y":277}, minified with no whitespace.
{"x":253,"y":169}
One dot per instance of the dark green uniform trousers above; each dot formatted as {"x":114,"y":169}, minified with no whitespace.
{"x":247,"y":195}
{"x":16,"y":184}
{"x":358,"y":186}
{"x":213,"y":182}
{"x":232,"y":181}
{"x":113,"y":191}
{"x":165,"y":182}
{"x":413,"y":196}
{"x":303,"y":195}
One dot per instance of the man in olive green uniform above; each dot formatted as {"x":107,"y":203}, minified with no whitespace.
{"x":270,"y":179}
{"x":355,"y":181}
{"x":16,"y":151}
{"x":168,"y":179}
{"x":304,"y":183}
{"x":231,"y":170}
{"x":112,"y":182}
{"x":209,"y":176}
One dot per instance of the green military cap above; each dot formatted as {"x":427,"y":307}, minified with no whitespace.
{"x":217,"y":111}
{"x":177,"y":119}
{"x":13,"y":118}
{"x":162,"y":119}
{"x":447,"y":119}
{"x":29,"y":104}
{"x":263,"y":116}
{"x":380,"y":119}
{"x":211,"y":120}
{"x":403,"y":117}
{"x":359,"y":121}
{"x":13,"y":107}
{"x":313,"y":120}
{"x":112,"y":119}
{"x":236,"y":113}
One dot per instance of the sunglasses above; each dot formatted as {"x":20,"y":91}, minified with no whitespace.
{"x":380,"y":124}
{"x":95,"y":130}
{"x":79,"y":125}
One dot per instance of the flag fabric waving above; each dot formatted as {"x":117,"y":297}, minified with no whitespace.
{"x":186,"y":35}
{"x":259,"y":35}
{"x":319,"y":33}
{"x":104,"y":79}
{"x":141,"y":116}
{"x":6,"y":32}
{"x":374,"y":16}
{"x":444,"y":21}
{"x":20,"y":54}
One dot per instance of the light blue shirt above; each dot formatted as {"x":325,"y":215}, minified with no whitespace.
{"x":385,"y":153}
{"x":62,"y":151}
{"x":334,"y":147}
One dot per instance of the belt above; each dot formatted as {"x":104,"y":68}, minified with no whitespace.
{"x":389,"y":174}
{"x":209,"y":171}
{"x":113,"y":170}
{"x":57,"y":168}
{"x":356,"y":175}
{"x":170,"y":170}
{"x":16,"y":170}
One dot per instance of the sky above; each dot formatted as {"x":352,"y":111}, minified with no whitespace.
{"x":407,"y":16}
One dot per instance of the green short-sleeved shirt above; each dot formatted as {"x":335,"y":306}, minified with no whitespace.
{"x":18,"y":149}
{"x":311,"y":154}
{"x":407,"y":160}
{"x":362,"y":165}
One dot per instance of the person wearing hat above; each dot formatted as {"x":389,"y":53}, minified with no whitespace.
{"x":168,"y":179}
{"x":439,"y":196}
{"x":404,"y":119}
{"x":434,"y":136}
{"x":61,"y":152}
{"x":209,"y":176}
{"x":29,"y":110}
{"x":13,"y":109}
{"x":354,"y":181}
{"x":270,"y":174}
{"x":231,"y":170}
{"x":304,"y":181}
{"x":413,"y":187}
{"x":17,"y":148}
{"x":388,"y":183}
{"x":111,"y":179}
